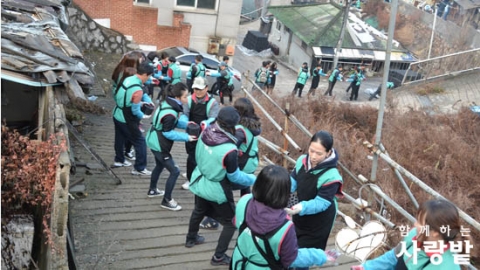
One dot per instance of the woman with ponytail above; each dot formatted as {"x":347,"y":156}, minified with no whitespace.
{"x":160,"y":140}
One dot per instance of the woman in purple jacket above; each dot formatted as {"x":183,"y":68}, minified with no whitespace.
{"x":263,"y":216}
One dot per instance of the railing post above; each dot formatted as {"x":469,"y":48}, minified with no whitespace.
{"x":285,"y":141}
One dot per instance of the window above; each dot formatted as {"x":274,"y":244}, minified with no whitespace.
{"x":279,"y":25}
{"x":286,"y":29}
{"x":142,"y":1}
{"x":206,"y":4}
{"x":304,"y":45}
{"x":186,"y":60}
{"x":210,"y":64}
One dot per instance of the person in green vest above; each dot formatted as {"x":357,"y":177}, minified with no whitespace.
{"x":125,"y":68}
{"x":127,"y":115}
{"x":335,"y":76}
{"x":174,"y":72}
{"x":211,"y":182}
{"x":303,"y":75}
{"x":316,"y":73}
{"x":390,"y":85}
{"x":266,"y":238}
{"x":318,"y":183}
{"x":247,"y":130}
{"x":197,"y":69}
{"x":225,"y":82}
{"x":161,"y":74}
{"x":160,"y":140}
{"x":437,"y":242}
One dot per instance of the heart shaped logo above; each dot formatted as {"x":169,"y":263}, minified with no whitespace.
{"x":360,"y":244}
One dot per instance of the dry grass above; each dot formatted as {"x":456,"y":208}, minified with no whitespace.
{"x":440,"y":150}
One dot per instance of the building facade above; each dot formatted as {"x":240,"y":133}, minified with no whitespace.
{"x":204,"y":25}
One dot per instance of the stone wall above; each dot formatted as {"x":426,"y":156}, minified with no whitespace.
{"x":84,"y":31}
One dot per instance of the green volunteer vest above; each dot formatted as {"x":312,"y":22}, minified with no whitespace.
{"x":327,"y":177}
{"x":200,"y":70}
{"x":334,"y":74}
{"x":130,"y":85}
{"x":209,"y":104}
{"x":302,"y":77}
{"x":252,"y":162}
{"x":206,"y":177}
{"x":245,"y":251}
{"x":157,"y":126}
{"x":189,"y":74}
{"x":177,"y":73}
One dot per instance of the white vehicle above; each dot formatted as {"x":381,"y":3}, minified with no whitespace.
{"x":185,"y":57}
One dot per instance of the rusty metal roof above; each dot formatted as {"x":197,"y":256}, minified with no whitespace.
{"x":34,"y":42}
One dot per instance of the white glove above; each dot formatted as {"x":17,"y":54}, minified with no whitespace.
{"x":192,"y":138}
{"x":294,"y":210}
{"x":146,"y":116}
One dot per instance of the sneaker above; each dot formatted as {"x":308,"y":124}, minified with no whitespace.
{"x":140,"y":127}
{"x":142,"y":172}
{"x":130,"y":155}
{"x":186,"y":185}
{"x":199,"y":240}
{"x":120,"y":164}
{"x":170,"y":205}
{"x":184,"y":175}
{"x":224,"y":260}
{"x":209,"y":224}
{"x":155,"y":193}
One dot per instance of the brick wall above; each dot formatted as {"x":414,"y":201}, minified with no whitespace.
{"x":139,"y":22}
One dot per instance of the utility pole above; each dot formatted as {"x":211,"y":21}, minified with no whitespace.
{"x":383,"y":97}
{"x":342,"y":32}
{"x":433,"y":31}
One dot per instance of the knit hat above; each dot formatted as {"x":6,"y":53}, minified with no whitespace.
{"x":222,"y":64}
{"x":199,"y":83}
{"x":228,"y":117}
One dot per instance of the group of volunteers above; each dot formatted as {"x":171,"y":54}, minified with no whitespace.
{"x":222,"y":147}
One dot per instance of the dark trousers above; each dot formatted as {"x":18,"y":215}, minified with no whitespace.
{"x":140,"y":146}
{"x":330,"y":88}
{"x":298,"y":86}
{"x":223,"y":213}
{"x":225,"y":91}
{"x":191,"y":162}
{"x":243,"y":189}
{"x":121,"y":139}
{"x":164,"y":160}
{"x":162,"y":85}
{"x":377,"y":92}
{"x":350,"y":86}
{"x":354,"y":94}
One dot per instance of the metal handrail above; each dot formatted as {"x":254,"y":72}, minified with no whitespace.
{"x":398,"y":169}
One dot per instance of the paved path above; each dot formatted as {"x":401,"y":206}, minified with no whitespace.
{"x":119,"y":227}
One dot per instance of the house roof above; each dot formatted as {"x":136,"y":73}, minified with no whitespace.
{"x":320,"y":25}
{"x":310,"y":22}
{"x":35,"y":45}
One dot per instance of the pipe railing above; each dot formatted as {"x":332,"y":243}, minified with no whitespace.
{"x":397,"y":168}
{"x":267,"y":115}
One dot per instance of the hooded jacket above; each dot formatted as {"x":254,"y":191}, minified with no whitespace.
{"x":216,"y":156}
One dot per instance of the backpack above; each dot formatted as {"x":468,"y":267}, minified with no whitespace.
{"x":262,"y":77}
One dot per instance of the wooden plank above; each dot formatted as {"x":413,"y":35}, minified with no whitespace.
{"x":74,"y":90}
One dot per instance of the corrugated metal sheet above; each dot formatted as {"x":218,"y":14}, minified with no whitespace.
{"x":34,"y":43}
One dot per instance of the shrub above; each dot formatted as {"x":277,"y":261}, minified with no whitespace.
{"x":28,"y":178}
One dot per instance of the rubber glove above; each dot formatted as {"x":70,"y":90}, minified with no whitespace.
{"x":294,"y":210}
